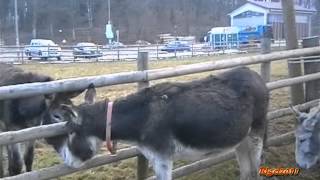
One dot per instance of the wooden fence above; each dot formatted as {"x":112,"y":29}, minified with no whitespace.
{"x":24,"y":90}
{"x":16,"y":54}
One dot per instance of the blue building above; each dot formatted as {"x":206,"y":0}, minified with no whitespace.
{"x":269,"y":12}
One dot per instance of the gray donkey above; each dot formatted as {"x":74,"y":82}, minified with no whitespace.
{"x":174,"y":120}
{"x":307,"y":150}
{"x":20,"y":113}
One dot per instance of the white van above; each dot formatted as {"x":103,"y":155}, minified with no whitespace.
{"x":42,"y":48}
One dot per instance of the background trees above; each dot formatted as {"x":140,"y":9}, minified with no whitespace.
{"x":82,"y":20}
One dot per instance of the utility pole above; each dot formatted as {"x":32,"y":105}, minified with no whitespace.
{"x":109,"y":13}
{"x":294,"y":67}
{"x":90,"y":19}
{"x":34,"y":19}
{"x":16,"y":20}
{"x":73,"y":19}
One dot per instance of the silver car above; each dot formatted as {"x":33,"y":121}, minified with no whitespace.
{"x":86,"y":50}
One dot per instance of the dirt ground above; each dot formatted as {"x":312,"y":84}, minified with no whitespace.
{"x":125,"y":170}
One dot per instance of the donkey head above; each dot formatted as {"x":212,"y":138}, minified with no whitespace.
{"x":307,"y":138}
{"x":77,"y":146}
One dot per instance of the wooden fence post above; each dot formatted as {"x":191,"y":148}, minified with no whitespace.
{"x":192,"y":49}
{"x":118,"y":54}
{"x":311,"y":66}
{"x":142,"y":162}
{"x":1,"y":161}
{"x":157,"y":51}
{"x":296,"y":91}
{"x":265,"y":68}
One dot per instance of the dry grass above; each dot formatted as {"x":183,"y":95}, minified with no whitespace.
{"x":125,"y":170}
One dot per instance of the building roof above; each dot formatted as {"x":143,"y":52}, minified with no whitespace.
{"x":278,"y":6}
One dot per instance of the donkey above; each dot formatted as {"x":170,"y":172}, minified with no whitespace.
{"x":20,"y":113}
{"x":307,"y":150}
{"x":171,"y":119}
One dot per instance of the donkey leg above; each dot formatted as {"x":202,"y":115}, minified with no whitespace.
{"x":163,"y":169}
{"x":1,"y":162}
{"x":162,"y":165}
{"x":28,"y":156}
{"x":248,"y":156}
{"x":14,"y":159}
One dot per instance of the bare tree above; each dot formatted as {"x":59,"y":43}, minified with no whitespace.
{"x":73,"y":12}
{"x":34,"y":18}
{"x":90,"y":18}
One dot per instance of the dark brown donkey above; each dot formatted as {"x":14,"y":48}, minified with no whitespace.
{"x":20,"y":113}
{"x":198,"y":117}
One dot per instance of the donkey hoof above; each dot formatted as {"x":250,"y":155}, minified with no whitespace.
{"x":14,"y":171}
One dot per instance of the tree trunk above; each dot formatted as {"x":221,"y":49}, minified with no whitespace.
{"x":297,"y":94}
{"x":34,"y":19}
{"x":51,"y":29}
{"x":1,"y":33}
{"x":73,"y":21}
{"x":90,"y":19}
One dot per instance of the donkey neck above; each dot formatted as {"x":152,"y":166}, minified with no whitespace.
{"x":127,"y":122}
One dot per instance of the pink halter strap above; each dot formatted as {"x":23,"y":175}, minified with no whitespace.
{"x":109,"y":143}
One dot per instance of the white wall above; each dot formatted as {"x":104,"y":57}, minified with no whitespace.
{"x":301,"y":18}
{"x":249,"y":21}
{"x":244,"y":8}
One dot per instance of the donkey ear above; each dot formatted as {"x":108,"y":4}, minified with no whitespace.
{"x":298,"y":115}
{"x":49,"y":99}
{"x":295,"y":110}
{"x":90,"y":95}
{"x":69,"y":95}
{"x":61,"y":97}
{"x":66,"y":95}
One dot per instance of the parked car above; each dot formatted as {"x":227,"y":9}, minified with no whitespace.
{"x":176,"y":46}
{"x":115,"y":44}
{"x":86,"y":50}
{"x":143,"y":43}
{"x":42,"y":48}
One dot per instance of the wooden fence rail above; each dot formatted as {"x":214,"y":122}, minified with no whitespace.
{"x":292,"y":81}
{"x":45,"y":131}
{"x":62,"y":169}
{"x":73,"y":84}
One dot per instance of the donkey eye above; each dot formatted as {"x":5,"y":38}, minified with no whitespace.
{"x":56,"y":116}
{"x":302,"y":140}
